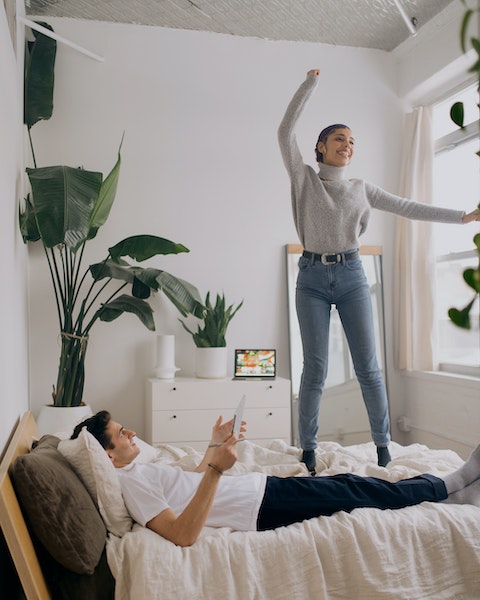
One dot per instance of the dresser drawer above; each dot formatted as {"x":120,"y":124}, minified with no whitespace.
{"x":196,"y":425}
{"x":222,"y":394}
{"x":183,"y":411}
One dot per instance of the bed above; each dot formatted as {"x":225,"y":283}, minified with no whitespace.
{"x":421,"y":552}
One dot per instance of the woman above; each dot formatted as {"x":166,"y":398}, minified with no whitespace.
{"x":330,"y":213}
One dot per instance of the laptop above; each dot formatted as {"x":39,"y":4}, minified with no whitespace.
{"x":254,"y":364}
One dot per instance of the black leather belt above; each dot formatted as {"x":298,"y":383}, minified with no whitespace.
{"x":331,"y":259}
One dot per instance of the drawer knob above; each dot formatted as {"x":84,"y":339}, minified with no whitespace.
{"x":174,"y":416}
{"x":270,"y":414}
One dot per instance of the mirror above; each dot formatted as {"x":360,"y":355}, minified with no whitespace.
{"x":343,"y":417}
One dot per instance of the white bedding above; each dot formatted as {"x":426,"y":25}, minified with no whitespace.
{"x":430,"y":551}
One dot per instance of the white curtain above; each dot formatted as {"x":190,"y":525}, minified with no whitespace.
{"x":415,"y":261}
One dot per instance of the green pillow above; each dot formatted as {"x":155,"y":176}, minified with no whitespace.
{"x":58,"y":508}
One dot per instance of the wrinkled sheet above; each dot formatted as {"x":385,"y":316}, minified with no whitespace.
{"x":429,"y":551}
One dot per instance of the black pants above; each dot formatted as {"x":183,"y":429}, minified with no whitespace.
{"x":293,"y":499}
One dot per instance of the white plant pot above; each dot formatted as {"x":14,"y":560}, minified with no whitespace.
{"x":211,"y":363}
{"x":61,"y":420}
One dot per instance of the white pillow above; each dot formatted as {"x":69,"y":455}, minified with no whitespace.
{"x":96,"y":470}
{"x":147,"y":453}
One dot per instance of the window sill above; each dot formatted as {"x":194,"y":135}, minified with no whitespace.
{"x":458,"y":369}
{"x":453,"y":379}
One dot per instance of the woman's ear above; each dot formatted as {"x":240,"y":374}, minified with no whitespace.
{"x":321,"y":147}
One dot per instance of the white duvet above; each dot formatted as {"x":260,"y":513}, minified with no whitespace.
{"x":430,"y":551}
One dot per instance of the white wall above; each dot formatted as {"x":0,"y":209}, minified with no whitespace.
{"x":201,"y":166}
{"x":13,"y":340}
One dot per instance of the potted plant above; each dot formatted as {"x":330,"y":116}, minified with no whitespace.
{"x":471,"y":276}
{"x":210,"y":337}
{"x":66,"y":208}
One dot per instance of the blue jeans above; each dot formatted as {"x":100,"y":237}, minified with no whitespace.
{"x":345,"y":285}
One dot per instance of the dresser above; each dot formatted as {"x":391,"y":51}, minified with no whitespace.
{"x":183,"y":411}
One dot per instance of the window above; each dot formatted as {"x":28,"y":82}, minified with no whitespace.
{"x":456,"y":184}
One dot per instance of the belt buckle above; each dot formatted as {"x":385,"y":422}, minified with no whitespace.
{"x":325,"y":259}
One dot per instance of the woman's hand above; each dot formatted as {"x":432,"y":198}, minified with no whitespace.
{"x":473,"y":216}
{"x":314,"y":72}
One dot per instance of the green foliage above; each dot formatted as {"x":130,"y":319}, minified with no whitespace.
{"x":215,"y":320}
{"x":66,"y":208}
{"x":462,"y":317}
{"x":39,"y":78}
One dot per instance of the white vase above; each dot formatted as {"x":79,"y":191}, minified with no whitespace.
{"x":211,"y":363}
{"x":165,"y":357}
{"x":61,"y":420}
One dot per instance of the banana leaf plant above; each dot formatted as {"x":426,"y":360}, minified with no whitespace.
{"x":461,"y":317}
{"x":65,"y":209}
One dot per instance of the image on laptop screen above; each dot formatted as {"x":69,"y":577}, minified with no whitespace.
{"x":251,"y":364}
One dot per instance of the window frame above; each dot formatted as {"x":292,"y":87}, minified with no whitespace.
{"x":445,"y":143}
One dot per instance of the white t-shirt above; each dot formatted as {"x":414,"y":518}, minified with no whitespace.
{"x":150,"y":488}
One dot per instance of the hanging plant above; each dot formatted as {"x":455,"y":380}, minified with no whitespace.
{"x":462,"y":317}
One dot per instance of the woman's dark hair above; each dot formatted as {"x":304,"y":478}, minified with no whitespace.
{"x":324,"y":135}
{"x":96,"y":425}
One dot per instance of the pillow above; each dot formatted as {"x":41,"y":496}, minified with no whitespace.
{"x":58,"y":508}
{"x":147,"y":452}
{"x":96,"y":470}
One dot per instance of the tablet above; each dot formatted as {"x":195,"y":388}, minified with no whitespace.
{"x":238,"y":415}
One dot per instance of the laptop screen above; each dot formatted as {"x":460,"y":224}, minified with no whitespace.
{"x":251,"y":364}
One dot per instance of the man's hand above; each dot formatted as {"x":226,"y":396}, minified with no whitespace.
{"x":221,"y":431}
{"x":225,"y":455}
{"x":314,"y":72}
{"x":221,"y":436}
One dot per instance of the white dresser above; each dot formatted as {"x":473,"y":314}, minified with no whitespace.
{"x":183,"y":411}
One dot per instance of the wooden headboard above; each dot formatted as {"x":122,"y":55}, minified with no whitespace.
{"x":12,"y":522}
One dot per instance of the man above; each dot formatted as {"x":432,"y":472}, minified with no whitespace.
{"x":177,"y":504}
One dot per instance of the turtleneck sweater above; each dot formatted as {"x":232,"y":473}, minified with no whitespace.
{"x":330,"y":211}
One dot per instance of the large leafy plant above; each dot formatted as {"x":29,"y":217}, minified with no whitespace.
{"x":66,"y":208}
{"x":215,"y":318}
{"x":461,"y":317}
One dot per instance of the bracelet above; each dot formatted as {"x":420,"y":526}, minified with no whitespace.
{"x":215,"y":468}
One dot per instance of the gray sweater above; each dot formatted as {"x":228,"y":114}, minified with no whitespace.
{"x":331,"y":212}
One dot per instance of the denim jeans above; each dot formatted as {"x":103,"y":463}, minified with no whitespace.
{"x":290,"y":500}
{"x":345,"y":285}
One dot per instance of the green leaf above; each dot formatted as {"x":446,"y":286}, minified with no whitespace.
{"x":112,"y":310}
{"x":142,"y":247}
{"x":472,"y":278}
{"x":105,"y":199}
{"x":457,"y":113}
{"x":142,"y":280}
{"x":28,"y":223}
{"x":464,"y":28}
{"x":39,"y":78}
{"x":63,"y":198}
{"x":216,"y":319}
{"x":112,"y":270}
{"x":476,"y":241}
{"x":461,"y":318}
{"x":182,"y":294}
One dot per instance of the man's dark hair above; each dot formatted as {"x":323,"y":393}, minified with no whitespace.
{"x":96,"y":425}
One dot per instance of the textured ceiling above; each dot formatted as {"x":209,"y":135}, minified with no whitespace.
{"x":360,"y":23}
